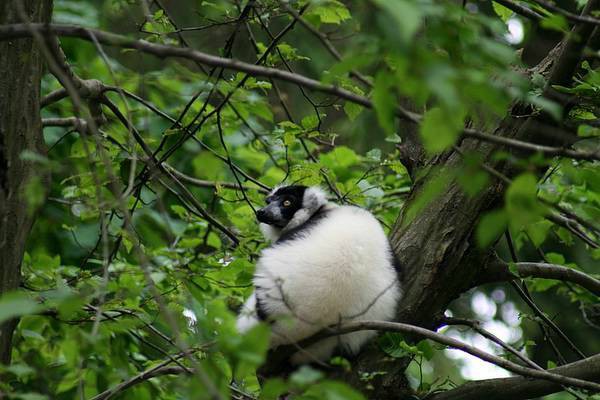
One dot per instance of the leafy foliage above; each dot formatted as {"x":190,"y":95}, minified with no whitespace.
{"x":123,"y":269}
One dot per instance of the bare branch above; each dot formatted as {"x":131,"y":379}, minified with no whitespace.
{"x":53,"y":97}
{"x":476,"y":326}
{"x":532,"y":147}
{"x":77,"y":123}
{"x":210,"y":184}
{"x":158,"y":370}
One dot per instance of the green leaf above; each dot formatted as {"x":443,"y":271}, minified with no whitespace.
{"x":541,"y":285}
{"x":539,"y":231}
{"x":440,"y":129}
{"x":472,"y":178}
{"x":384,"y":101}
{"x":310,"y":122}
{"x":522,"y":205}
{"x":31,"y":396}
{"x":429,"y":192}
{"x":331,"y":12}
{"x":491,"y":226}
{"x":555,"y":22}
{"x":556,"y":258}
{"x":549,"y":106}
{"x":34,"y":193}
{"x":254,"y":345}
{"x":394,"y":345}
{"x":272,"y":389}
{"x":374,"y":155}
{"x":330,"y":390}
{"x":393,"y":138}
{"x":565,"y":236}
{"x":305,"y":376}
{"x":19,"y":369}
{"x":503,"y":12}
{"x":426,"y":349}
{"x":513,"y":268}
{"x":17,"y":304}
{"x":339,"y":158}
{"x":406,"y":13}
{"x":352,"y":110}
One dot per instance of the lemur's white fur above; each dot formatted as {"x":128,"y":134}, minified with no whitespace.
{"x":340,"y":269}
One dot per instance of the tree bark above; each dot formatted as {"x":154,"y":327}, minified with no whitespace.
{"x":21,"y":66}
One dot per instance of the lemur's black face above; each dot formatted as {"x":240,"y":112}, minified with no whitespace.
{"x":282,"y":205}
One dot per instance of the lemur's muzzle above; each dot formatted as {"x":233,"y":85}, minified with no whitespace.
{"x":269,"y":215}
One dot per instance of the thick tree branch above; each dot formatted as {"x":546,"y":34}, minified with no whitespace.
{"x":498,"y":270}
{"x":521,"y":388}
{"x":570,"y":56}
{"x":53,"y":97}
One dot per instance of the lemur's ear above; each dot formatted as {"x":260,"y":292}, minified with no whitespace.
{"x":314,"y":197}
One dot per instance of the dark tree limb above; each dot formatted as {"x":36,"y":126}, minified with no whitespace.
{"x":586,"y":19}
{"x":498,"y":270}
{"x":520,"y":388}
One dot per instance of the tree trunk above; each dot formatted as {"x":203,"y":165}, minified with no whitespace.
{"x":21,"y":63}
{"x":436,"y":248}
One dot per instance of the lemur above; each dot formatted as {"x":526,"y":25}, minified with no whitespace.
{"x":326,"y":264}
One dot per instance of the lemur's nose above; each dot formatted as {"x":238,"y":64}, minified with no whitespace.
{"x":261,"y":215}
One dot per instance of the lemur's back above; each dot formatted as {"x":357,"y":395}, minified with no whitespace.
{"x":338,"y":269}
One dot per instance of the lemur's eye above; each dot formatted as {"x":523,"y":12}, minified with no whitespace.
{"x":287,"y":203}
